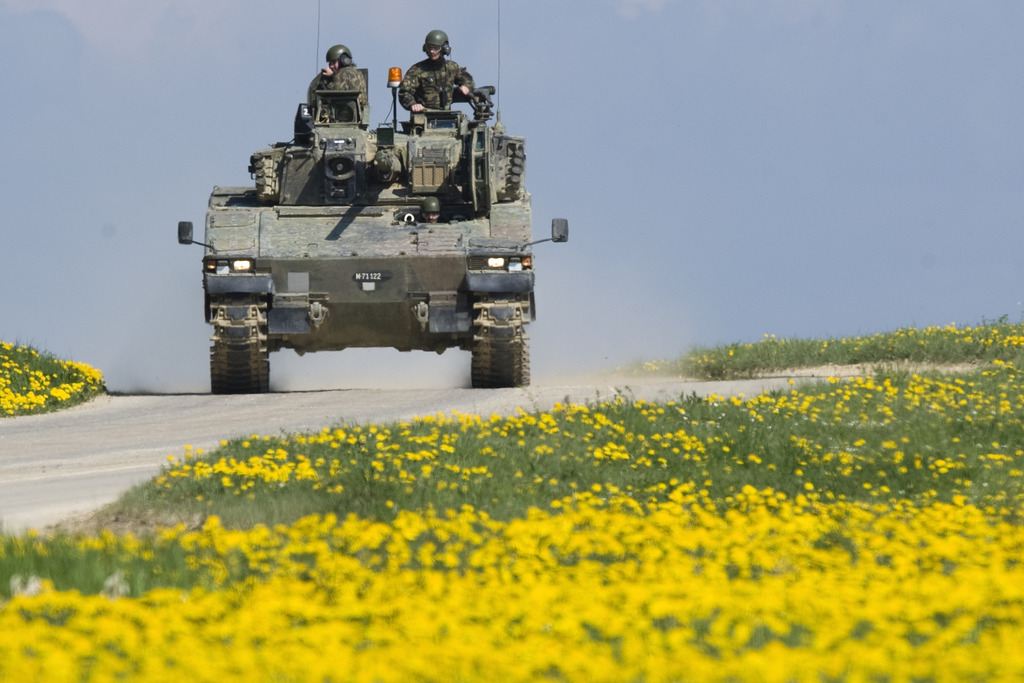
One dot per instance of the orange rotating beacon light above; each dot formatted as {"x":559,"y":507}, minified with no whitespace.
{"x":394,"y":80}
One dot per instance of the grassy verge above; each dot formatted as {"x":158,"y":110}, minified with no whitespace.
{"x":854,"y":529}
{"x":870,"y":439}
{"x":35,"y":382}
{"x":949,"y":345}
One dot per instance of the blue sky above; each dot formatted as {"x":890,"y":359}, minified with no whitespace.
{"x":729,"y":168}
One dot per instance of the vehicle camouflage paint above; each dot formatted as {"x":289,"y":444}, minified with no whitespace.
{"x":328,"y":250}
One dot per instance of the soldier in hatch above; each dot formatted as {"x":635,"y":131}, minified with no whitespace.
{"x":430,"y":83}
{"x":339,"y":74}
{"x":430,"y":210}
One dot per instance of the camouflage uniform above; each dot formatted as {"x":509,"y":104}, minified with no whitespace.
{"x":346,"y":78}
{"x":430,"y":83}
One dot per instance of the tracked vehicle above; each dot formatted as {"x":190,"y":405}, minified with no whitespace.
{"x":329,"y":250}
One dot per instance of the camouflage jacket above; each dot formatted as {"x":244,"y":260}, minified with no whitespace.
{"x":347,"y":78}
{"x":430,"y":83}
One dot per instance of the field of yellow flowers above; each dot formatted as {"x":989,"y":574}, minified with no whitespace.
{"x":867,"y":529}
{"x":31,"y":382}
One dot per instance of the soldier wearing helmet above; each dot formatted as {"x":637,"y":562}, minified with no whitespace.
{"x":339,"y":74}
{"x":430,"y":210}
{"x":430,"y":83}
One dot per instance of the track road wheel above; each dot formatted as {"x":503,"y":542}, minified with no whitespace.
{"x":501,"y":352}
{"x":239,"y":360}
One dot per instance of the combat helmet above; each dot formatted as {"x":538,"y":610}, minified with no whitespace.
{"x":437,"y":37}
{"x":430,"y":205}
{"x":340,"y":53}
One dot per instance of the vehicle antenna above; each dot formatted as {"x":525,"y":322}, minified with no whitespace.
{"x":316,"y":62}
{"x":498,"y":106}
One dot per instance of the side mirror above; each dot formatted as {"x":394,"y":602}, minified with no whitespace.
{"x":184,"y":232}
{"x":559,"y":230}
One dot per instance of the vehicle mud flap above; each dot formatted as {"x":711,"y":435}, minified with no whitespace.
{"x":288,"y":321}
{"x":445,"y":315}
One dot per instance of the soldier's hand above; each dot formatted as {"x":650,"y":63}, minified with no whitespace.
{"x":416,"y":107}
{"x":328,"y":71}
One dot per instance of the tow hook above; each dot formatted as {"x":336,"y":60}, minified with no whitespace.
{"x":422,"y":313}
{"x":317,"y":314}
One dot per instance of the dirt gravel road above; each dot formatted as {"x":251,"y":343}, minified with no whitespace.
{"x":71,"y":462}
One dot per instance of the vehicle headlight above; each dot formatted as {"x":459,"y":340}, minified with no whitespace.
{"x":226,"y":266}
{"x":512,"y":263}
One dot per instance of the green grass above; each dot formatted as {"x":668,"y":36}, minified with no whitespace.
{"x":949,"y":345}
{"x":885,"y":438}
{"x":891,"y":434}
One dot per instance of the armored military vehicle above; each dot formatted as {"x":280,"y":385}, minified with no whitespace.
{"x":329,"y":249}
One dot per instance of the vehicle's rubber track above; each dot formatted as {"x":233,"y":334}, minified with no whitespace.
{"x":501,"y":352}
{"x":239,"y":360}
